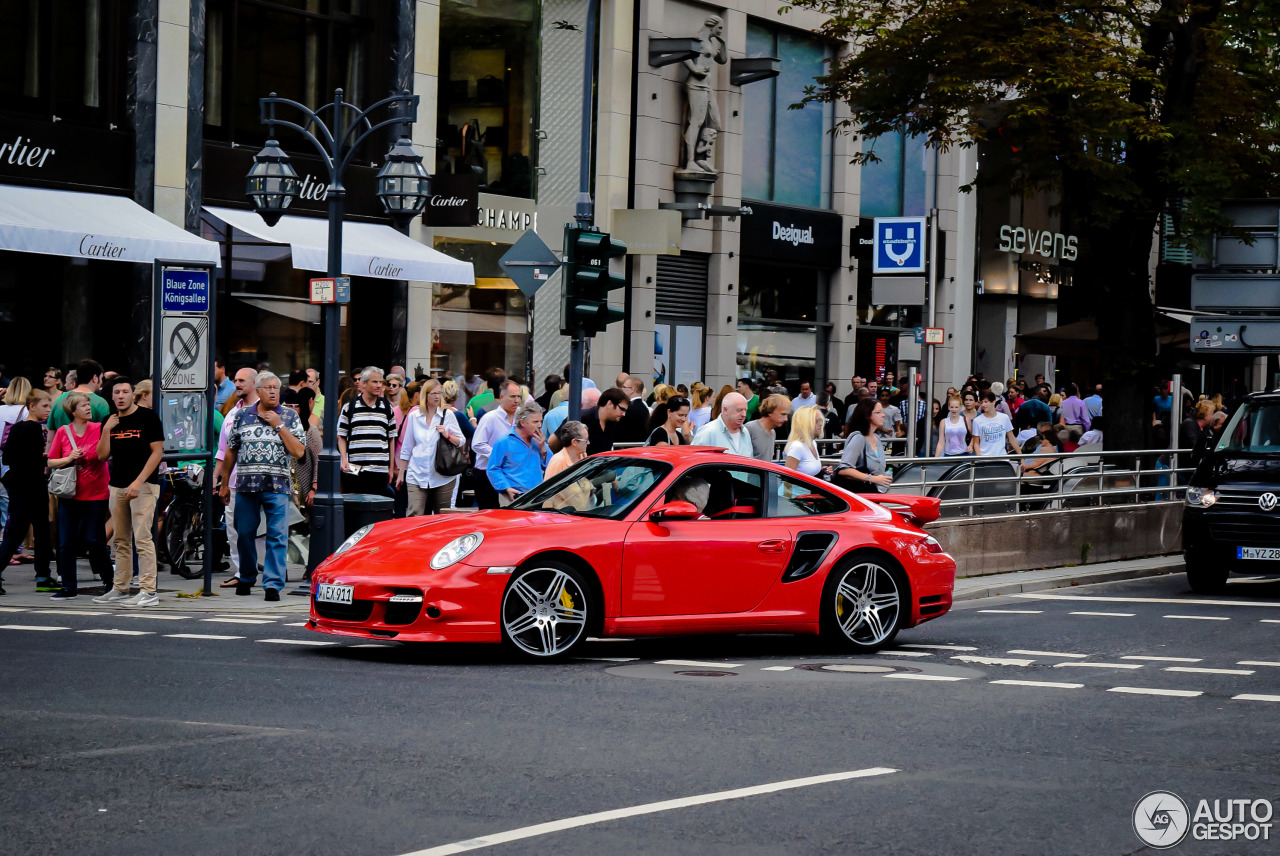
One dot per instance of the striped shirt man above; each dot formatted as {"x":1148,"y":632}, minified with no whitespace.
{"x":368,"y":431}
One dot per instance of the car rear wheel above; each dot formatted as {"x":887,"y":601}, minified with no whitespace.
{"x":863,"y":602}
{"x":1205,"y":578}
{"x":546,"y":610}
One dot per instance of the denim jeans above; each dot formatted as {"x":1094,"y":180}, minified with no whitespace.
{"x":249,"y":507}
{"x":82,"y":521}
{"x":28,"y":512}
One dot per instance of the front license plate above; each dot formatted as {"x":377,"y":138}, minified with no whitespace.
{"x":334,"y":594}
{"x":1270,"y":554}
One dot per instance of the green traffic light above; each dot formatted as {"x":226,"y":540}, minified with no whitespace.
{"x":587,"y":281}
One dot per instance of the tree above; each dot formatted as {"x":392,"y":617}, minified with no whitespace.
{"x":1121,"y":108}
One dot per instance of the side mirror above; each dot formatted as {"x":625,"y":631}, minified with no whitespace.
{"x":677,"y":510}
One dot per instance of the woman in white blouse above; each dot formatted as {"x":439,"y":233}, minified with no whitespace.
{"x":807,"y":424}
{"x":429,"y":492}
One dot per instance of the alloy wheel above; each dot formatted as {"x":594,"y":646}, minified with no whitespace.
{"x":867,"y":604}
{"x":544,"y":612}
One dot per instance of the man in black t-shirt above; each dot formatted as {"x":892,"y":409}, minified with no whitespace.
{"x":602,"y":420}
{"x":133,"y":439}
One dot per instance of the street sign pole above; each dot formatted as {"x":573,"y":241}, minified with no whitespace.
{"x":930,"y":311}
{"x":585,"y":213}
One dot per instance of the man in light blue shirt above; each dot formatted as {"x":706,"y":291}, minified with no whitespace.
{"x":226,"y":386}
{"x":518,"y":460}
{"x":728,"y":432}
{"x":1094,"y":403}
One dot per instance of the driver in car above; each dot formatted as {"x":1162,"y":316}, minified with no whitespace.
{"x":696,"y":492}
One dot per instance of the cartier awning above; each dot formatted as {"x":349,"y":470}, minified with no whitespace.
{"x":93,"y":226}
{"x":368,"y":249}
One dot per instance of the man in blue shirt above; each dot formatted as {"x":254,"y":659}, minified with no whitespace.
{"x":226,"y":386}
{"x":518,"y":460}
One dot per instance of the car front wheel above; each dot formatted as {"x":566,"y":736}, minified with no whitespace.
{"x":546,"y":610}
{"x":863,"y":603}
{"x":1204,"y":577}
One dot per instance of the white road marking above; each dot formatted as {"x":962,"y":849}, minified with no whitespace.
{"x":29,"y":627}
{"x":1163,"y":659}
{"x":1153,"y":691}
{"x":1013,"y":611}
{"x":1095,"y":598}
{"x":238,"y":620}
{"x":991,"y":661}
{"x":68,"y":612}
{"x":698,"y":664}
{"x":152,"y":615}
{"x":1050,"y":654}
{"x":1198,"y":671}
{"x":493,"y":839}
{"x":269,"y":616}
{"x":940,"y":647}
{"x":777,"y":668}
{"x":297,"y":624}
{"x":297,"y":642}
{"x":906,"y":676}
{"x":1270,"y":620}
{"x":1255,"y":697}
{"x":1113,"y":614}
{"x":372,"y":645}
{"x":1200,"y":617}
{"x":604,"y":659}
{"x":1256,"y":663}
{"x":1051,"y":684}
{"x":1098,"y":665}
{"x":904,"y":654}
{"x":199,"y":636}
{"x":11,"y":609}
{"x":119,"y":632}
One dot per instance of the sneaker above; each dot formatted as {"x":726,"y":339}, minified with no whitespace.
{"x":244,"y":589}
{"x":64,"y":596}
{"x":2,"y":591}
{"x":142,"y":598}
{"x":112,"y":596}
{"x":273,"y":594}
{"x":48,"y":585}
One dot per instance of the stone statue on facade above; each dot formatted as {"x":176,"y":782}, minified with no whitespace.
{"x":703,"y":123}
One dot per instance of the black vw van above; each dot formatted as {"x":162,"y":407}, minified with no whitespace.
{"x":1231,"y":522}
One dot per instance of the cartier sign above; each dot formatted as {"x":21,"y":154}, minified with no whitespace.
{"x":455,"y":201}
{"x":61,"y":155}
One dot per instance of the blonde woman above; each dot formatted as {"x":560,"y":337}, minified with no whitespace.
{"x":142,"y":394}
{"x":801,"y":453}
{"x":429,"y":492}
{"x":661,"y":393}
{"x":700,"y":411}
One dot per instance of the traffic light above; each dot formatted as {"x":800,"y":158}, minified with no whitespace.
{"x":587,"y":281}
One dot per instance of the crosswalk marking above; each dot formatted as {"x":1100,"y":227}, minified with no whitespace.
{"x":1098,"y":665}
{"x":199,"y":636}
{"x":29,"y":627}
{"x":907,"y":676}
{"x":1154,"y":691}
{"x":1198,"y":671}
{"x":777,"y":668}
{"x":1163,"y":659}
{"x":238,"y":620}
{"x":153,"y":616}
{"x":1255,"y":697}
{"x":1051,"y":684}
{"x":698,"y":664}
{"x":992,"y":661}
{"x":1111,"y":614}
{"x":314,"y":642}
{"x":113,"y":632}
{"x":1050,"y":654}
{"x":1013,"y":611}
{"x":1200,"y":617}
{"x":67,"y":612}
{"x":1257,"y":663}
{"x":904,"y":654}
{"x":940,"y":647}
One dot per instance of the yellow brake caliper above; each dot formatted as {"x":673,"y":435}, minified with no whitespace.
{"x":565,"y":600}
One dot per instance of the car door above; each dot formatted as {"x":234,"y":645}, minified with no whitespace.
{"x":724,"y":562}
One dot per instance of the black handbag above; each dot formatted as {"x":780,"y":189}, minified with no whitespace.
{"x":451,"y":460}
{"x":856,"y":485}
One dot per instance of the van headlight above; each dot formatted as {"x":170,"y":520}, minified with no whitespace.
{"x":354,"y":539}
{"x":456,"y":550}
{"x":1201,"y":497}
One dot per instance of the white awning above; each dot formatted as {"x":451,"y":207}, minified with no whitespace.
{"x":93,"y":226}
{"x":368,"y":249}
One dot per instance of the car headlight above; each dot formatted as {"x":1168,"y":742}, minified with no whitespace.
{"x":354,"y":539}
{"x":1202,"y":497}
{"x":456,"y":550}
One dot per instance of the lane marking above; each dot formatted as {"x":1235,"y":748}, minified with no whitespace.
{"x":940,"y":647}
{"x":297,"y":624}
{"x":1111,"y":614}
{"x":698,"y":664}
{"x":11,"y":609}
{"x":904,"y":654}
{"x":603,"y":659}
{"x":268,"y":616}
{"x":198,"y":636}
{"x":991,"y":661}
{"x":1270,"y":620}
{"x":1098,"y":599}
{"x":1050,"y":654}
{"x":1163,"y":659}
{"x":153,"y":616}
{"x":29,"y":627}
{"x":1198,"y":671}
{"x":67,"y":612}
{"x":119,"y":632}
{"x":1256,"y":663}
{"x":238,"y":620}
{"x":297,"y":642}
{"x":1052,"y":684}
{"x":1255,"y":697}
{"x":1013,"y":611}
{"x":496,"y":838}
{"x":909,"y":677}
{"x":1098,"y":665}
{"x":777,"y":668}
{"x":1200,"y":617}
{"x":1152,"y":691}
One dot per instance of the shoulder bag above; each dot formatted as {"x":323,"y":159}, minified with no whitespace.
{"x":62,"y":481}
{"x":856,"y":485}
{"x":451,"y":460}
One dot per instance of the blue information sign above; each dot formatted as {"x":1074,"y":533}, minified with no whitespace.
{"x":184,"y":290}
{"x":898,"y":245}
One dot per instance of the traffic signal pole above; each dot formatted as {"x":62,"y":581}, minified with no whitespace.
{"x":585,"y":213}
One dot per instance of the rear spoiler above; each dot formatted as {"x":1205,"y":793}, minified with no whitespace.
{"x":922,"y":509}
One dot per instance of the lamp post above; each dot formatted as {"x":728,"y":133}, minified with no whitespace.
{"x":272,"y":184}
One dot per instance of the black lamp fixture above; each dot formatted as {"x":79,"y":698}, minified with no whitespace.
{"x":403,"y":183}
{"x":272,"y":184}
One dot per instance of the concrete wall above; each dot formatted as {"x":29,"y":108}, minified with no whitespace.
{"x":993,"y":545}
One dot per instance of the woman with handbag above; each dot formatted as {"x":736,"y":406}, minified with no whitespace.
{"x":862,"y":466}
{"x":79,"y":480}
{"x":433,"y":454}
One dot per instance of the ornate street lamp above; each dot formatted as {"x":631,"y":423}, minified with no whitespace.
{"x":272,"y":183}
{"x":403,"y":183}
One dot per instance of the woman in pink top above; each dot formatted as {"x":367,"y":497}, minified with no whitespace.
{"x":81,"y":521}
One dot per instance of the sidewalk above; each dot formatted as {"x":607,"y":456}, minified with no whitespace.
{"x":993,"y":585}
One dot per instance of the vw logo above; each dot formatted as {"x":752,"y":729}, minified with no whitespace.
{"x":1268,"y":501}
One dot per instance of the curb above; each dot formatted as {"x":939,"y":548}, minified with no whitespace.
{"x":1074,"y":578}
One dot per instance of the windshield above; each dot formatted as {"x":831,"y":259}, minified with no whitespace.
{"x":1255,"y":427}
{"x":595,"y":487}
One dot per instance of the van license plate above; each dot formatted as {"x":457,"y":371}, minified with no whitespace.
{"x":337,"y":594}
{"x":1265,"y":553}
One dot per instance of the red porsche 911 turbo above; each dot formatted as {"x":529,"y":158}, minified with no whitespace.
{"x":645,"y":542}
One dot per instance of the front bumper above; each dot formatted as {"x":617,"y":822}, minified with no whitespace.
{"x":1213,"y":534}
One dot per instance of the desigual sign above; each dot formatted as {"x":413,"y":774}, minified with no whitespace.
{"x":792,"y":235}
{"x":1049,"y":245}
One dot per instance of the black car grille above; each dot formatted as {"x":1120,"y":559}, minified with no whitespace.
{"x":402,"y":613}
{"x":357,"y":610}
{"x":1263,"y":532}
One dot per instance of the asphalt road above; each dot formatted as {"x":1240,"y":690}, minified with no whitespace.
{"x":125,"y":734}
